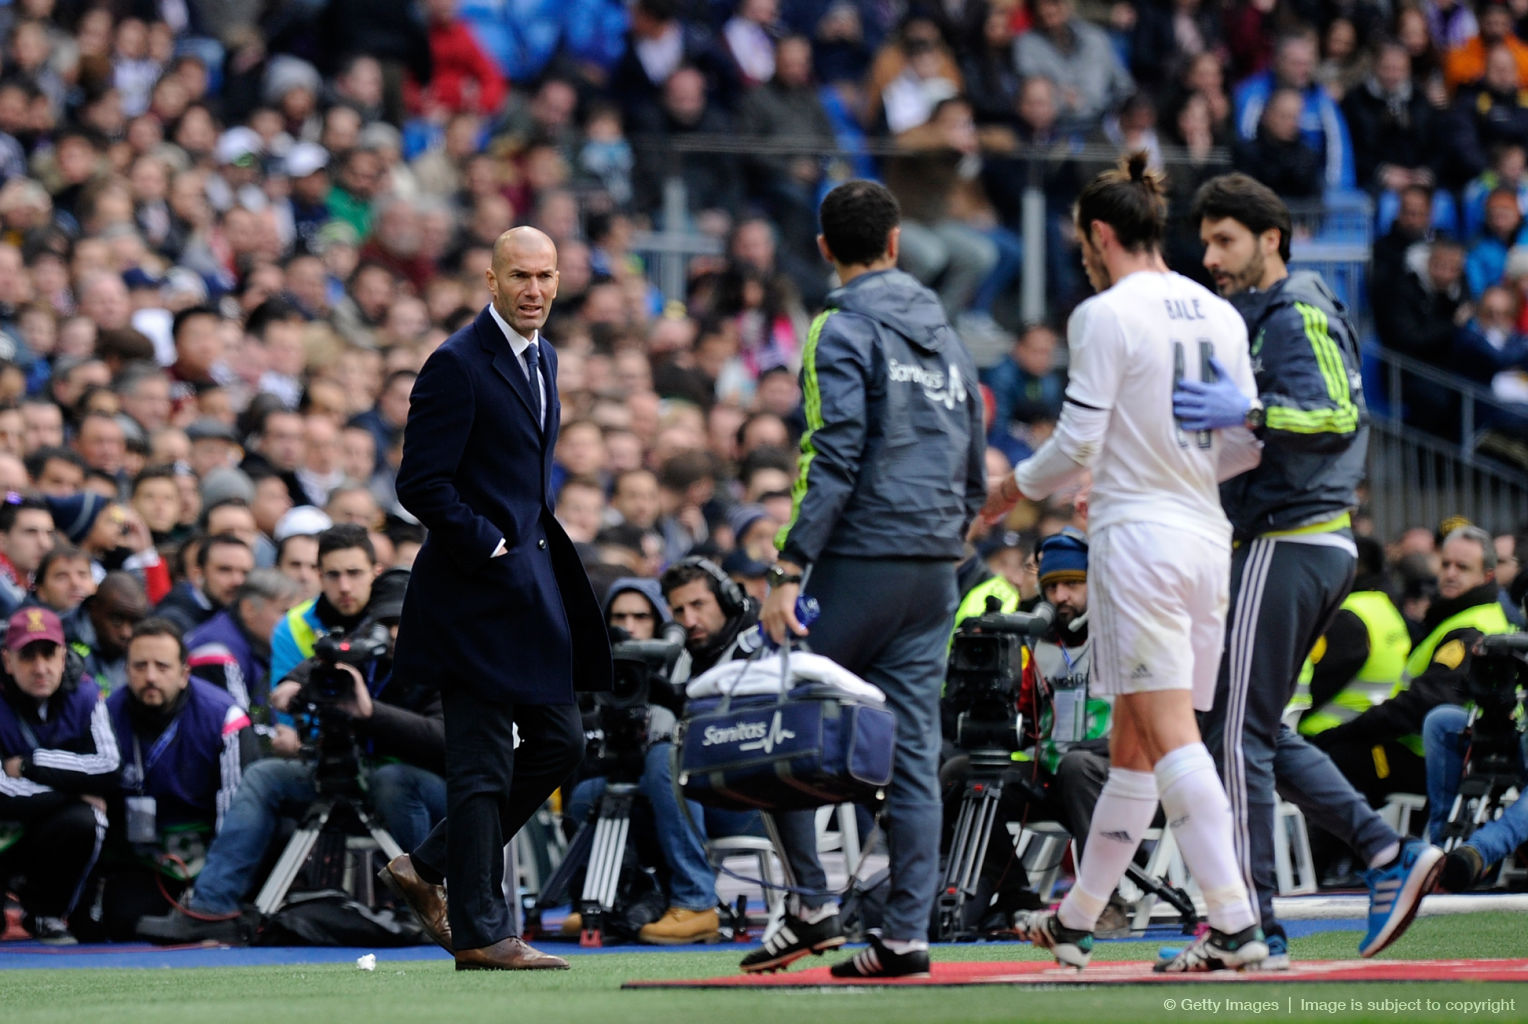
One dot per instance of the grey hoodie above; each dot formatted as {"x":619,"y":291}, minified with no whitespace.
{"x":892,"y":461}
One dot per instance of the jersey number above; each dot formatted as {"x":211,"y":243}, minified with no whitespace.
{"x":1202,"y":438}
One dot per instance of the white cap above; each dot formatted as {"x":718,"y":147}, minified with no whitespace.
{"x":238,"y":142}
{"x":304,"y":520}
{"x":304,"y":158}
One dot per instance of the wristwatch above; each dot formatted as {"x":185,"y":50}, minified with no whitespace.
{"x":776,"y":576}
{"x":1255,"y":415}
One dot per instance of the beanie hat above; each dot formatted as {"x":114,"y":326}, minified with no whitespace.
{"x":76,"y":514}
{"x":226,"y":482}
{"x":1064,"y":557}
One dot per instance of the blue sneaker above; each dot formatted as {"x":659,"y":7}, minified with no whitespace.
{"x":1396,"y":891}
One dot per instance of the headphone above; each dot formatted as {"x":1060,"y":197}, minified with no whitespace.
{"x":728,"y":594}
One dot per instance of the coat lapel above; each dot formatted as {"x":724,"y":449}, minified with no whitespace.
{"x":503,"y":357}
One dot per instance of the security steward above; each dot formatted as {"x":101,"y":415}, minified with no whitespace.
{"x":1356,"y":662}
{"x":1380,"y":751}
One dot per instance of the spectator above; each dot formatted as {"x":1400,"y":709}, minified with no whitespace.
{"x":222,"y":563}
{"x":658,"y":45}
{"x":1486,"y":261}
{"x":1465,"y":63}
{"x":929,"y":177}
{"x":1391,"y":124}
{"x":26,"y":535}
{"x":910,"y":78}
{"x":1026,"y":386}
{"x":1318,"y":119}
{"x":1422,"y":319}
{"x":713,"y":181}
{"x":297,"y":560}
{"x":1077,"y":58}
{"x":1494,"y":102}
{"x":1279,"y":156}
{"x":1412,"y":225}
{"x":787,"y":106}
{"x":463,"y":78}
{"x":232,"y":650}
{"x":112,"y":612}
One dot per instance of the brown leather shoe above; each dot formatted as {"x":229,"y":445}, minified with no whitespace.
{"x":428,"y":901}
{"x":511,"y":954}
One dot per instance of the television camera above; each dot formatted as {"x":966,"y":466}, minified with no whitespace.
{"x":329,"y":745}
{"x":1491,"y":740}
{"x":986,"y":670}
{"x":641,"y":668}
{"x":328,"y":737}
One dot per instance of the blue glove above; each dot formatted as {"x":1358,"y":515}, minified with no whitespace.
{"x":1210,"y":405}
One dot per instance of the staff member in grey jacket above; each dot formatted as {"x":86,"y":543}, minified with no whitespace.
{"x":891,"y":474}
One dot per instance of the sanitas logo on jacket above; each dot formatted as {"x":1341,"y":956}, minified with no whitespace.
{"x":940,"y":388}
{"x":758,"y":735}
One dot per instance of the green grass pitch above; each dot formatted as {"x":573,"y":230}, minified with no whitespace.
{"x":430,"y":991}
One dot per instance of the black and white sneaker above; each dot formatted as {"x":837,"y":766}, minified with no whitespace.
{"x":1217,"y":951}
{"x":50,"y":931}
{"x":876,"y":961}
{"x":1070,"y":946}
{"x":793,"y":940}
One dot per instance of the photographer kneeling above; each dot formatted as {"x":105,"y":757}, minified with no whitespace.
{"x":719,"y":623}
{"x":359,"y":721}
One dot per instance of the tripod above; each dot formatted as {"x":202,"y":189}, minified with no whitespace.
{"x":315,"y":823}
{"x":599,"y":846}
{"x":1489,"y":770}
{"x":958,"y":908}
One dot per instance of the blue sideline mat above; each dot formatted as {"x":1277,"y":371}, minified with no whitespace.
{"x":36,"y":956}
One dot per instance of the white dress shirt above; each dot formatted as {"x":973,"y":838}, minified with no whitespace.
{"x":518,"y":343}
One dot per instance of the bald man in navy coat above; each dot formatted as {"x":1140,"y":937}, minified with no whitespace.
{"x":499,"y":609}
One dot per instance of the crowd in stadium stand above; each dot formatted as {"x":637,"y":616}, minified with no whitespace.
{"x":231,"y":233}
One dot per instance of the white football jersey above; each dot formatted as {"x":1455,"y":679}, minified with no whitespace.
{"x":1129,"y":346}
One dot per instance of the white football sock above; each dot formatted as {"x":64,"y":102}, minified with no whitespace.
{"x":1124,"y":811}
{"x":1199,"y":814}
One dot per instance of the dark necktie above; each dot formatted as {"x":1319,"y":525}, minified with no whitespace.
{"x":532,"y":367}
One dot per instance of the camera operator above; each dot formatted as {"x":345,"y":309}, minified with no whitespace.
{"x":184,"y":743}
{"x":1494,"y":732}
{"x":347,"y":564}
{"x":1380,"y":751}
{"x":1070,"y":761}
{"x":58,"y":760}
{"x":720,"y":621}
{"x":398,"y":735}
{"x":716,"y":614}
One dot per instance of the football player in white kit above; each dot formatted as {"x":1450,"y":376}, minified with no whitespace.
{"x":1161,"y":550}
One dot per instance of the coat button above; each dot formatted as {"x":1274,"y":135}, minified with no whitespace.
{"x":541,"y":543}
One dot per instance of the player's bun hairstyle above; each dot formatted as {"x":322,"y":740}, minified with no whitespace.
{"x":1131,"y":199}
{"x":1246,"y":200}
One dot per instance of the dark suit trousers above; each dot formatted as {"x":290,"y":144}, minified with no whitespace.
{"x":492,"y":789}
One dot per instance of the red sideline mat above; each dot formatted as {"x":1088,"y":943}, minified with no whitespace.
{"x":1049,"y":975}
